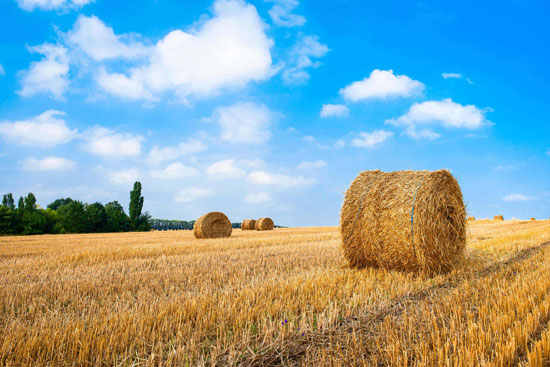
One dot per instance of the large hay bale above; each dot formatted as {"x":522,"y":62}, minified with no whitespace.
{"x":532,"y":218}
{"x":404,"y":220}
{"x":471,"y":218}
{"x":212,"y":225}
{"x":248,"y":224}
{"x":264,"y":224}
{"x":498,"y":217}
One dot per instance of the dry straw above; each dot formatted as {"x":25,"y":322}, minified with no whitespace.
{"x":212,"y":225}
{"x":404,"y":220}
{"x":498,"y":217}
{"x":264,"y":224}
{"x":471,"y":218}
{"x":248,"y":224}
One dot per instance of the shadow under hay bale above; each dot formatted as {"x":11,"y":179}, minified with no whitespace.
{"x":212,"y":225}
{"x":404,"y":220}
{"x":264,"y":224}
{"x":498,"y":217}
{"x":248,"y":225}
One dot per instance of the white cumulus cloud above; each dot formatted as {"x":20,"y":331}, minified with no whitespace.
{"x":257,"y":198}
{"x":51,"y":163}
{"x":382,"y":84}
{"x":245,"y":122}
{"x":191,"y":146}
{"x":370,"y":140}
{"x":303,"y":56}
{"x":266,"y":178}
{"x":99,"y":42}
{"x":518,"y":197}
{"x":444,"y":113}
{"x":315,"y":164}
{"x":281,"y":14}
{"x":224,"y":52}
{"x":334,"y":110}
{"x":175,"y":171}
{"x":44,"y":130}
{"x":451,"y":76}
{"x":192,"y":194}
{"x":30,"y":5}
{"x":49,"y":75}
{"x":125,"y":176}
{"x":225,"y":169}
{"x":109,"y":144}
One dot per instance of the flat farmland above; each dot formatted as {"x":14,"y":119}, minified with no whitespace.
{"x":282,"y":297}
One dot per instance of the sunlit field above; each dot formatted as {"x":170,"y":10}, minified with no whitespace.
{"x":283,"y":297}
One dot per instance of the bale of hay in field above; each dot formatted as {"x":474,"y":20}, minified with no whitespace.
{"x":532,"y":218}
{"x":471,"y":218}
{"x":264,"y":224}
{"x":248,"y":224}
{"x":404,"y":220}
{"x":212,"y":225}
{"x":498,"y":217}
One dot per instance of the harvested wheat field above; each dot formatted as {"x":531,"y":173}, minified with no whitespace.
{"x":278,"y":298}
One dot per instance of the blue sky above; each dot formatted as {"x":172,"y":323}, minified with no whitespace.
{"x":271,"y":108}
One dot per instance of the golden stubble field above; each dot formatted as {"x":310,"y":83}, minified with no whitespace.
{"x":284,"y":297}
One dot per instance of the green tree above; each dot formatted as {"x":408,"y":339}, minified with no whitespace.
{"x":8,"y":201}
{"x":30,"y":203}
{"x":21,"y":205}
{"x":73,"y":217}
{"x":9,"y":221}
{"x":136,"y":205}
{"x":34,"y":222}
{"x":97,"y":218}
{"x":56,"y":204}
{"x":117,"y":220}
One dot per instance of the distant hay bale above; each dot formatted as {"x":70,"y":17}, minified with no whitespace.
{"x":264,"y":224}
{"x":532,"y":218}
{"x":471,"y":218}
{"x":212,"y":225}
{"x":498,"y":217}
{"x":248,"y":225}
{"x":404,"y":220}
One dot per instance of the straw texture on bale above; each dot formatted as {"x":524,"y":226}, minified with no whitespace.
{"x":498,"y":217}
{"x":264,"y":224}
{"x":248,"y":224}
{"x":404,"y":220}
{"x":212,"y":225}
{"x":471,"y":218}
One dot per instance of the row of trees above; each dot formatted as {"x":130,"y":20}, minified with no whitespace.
{"x":72,"y":216}
{"x":170,"y":224}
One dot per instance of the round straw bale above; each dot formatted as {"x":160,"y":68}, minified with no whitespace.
{"x":498,"y":217}
{"x":532,"y":218}
{"x":212,"y":225}
{"x":248,"y":224}
{"x":471,"y":218}
{"x":404,"y":220}
{"x":264,"y":224}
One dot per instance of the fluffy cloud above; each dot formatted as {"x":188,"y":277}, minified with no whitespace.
{"x":244,"y":123}
{"x":2,"y":71}
{"x":192,"y":194}
{"x":109,"y":144}
{"x":518,"y":197}
{"x":281,"y":14}
{"x":445,"y":113}
{"x":175,"y":171}
{"x":99,"y":42}
{"x":382,"y":84}
{"x":191,"y":146}
{"x":124,"y":177}
{"x":451,"y":75}
{"x":44,"y":130}
{"x":51,"y":163}
{"x":266,"y":178}
{"x":370,"y":140}
{"x":260,"y":197}
{"x":334,"y":110}
{"x":306,"y":49}
{"x":225,"y":169}
{"x":226,"y":51}
{"x":30,"y":5}
{"x":49,"y":75}
{"x":316,"y":164}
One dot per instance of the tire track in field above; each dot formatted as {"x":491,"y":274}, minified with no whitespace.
{"x":294,"y":348}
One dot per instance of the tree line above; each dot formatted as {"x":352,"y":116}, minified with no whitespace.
{"x":72,"y":216}
{"x":170,"y":224}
